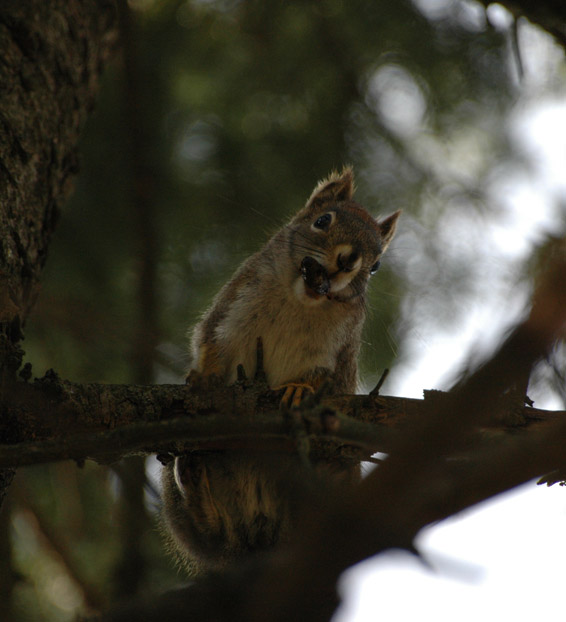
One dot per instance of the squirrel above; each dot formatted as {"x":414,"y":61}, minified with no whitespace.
{"x":304,"y":295}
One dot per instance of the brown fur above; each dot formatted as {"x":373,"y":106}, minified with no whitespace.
{"x":219,"y":507}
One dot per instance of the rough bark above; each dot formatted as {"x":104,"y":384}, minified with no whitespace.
{"x":108,"y":422}
{"x":51,"y":58}
{"x":52,"y":55}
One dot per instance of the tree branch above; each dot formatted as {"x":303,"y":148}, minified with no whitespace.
{"x":108,"y":422}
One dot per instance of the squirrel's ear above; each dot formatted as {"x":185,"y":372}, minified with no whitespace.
{"x":336,"y":187}
{"x":387,"y":228}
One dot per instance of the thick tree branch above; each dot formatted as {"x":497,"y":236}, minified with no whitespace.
{"x":107,"y":422}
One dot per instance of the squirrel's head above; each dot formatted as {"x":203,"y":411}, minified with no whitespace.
{"x":336,"y":245}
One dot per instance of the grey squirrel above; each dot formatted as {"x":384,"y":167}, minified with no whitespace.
{"x":304,"y":294}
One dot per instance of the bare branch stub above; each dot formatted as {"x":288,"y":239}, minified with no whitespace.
{"x":241,"y":374}
{"x":375,"y":391}
{"x":260,"y":377}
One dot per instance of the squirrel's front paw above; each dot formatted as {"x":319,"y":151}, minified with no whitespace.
{"x":294,"y":394}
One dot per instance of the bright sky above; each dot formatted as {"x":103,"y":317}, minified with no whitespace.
{"x":505,"y":559}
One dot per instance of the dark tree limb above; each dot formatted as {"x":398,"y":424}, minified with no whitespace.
{"x":55,"y":420}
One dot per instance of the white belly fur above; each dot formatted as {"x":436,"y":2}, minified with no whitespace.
{"x":295,"y":336}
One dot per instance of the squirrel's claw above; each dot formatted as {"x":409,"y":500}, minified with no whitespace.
{"x":294,"y":394}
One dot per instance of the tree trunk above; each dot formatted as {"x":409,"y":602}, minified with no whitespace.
{"x":52,"y":54}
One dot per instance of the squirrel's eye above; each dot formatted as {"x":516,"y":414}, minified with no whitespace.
{"x":375,"y":267}
{"x":323,"y":222}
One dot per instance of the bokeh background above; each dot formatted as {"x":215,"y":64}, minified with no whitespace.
{"x":214,"y":122}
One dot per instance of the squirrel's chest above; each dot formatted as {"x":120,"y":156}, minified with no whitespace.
{"x":296,"y":339}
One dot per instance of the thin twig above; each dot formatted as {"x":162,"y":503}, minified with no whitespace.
{"x":382,"y":379}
